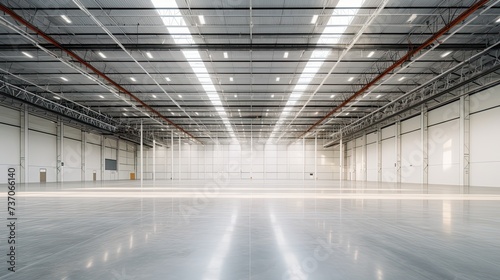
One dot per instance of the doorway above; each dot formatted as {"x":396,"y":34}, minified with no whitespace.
{"x":43,"y":175}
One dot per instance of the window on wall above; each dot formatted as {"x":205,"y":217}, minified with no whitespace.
{"x":110,"y":164}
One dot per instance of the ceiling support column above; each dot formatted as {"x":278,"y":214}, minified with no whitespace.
{"x":424,"y":133}
{"x":398,"y":151}
{"x":363,"y":158}
{"x":341,"y":160}
{"x":60,"y":151}
{"x":83,"y":155}
{"x":154,"y":160}
{"x":24,"y":160}
{"x":465,"y":140}
{"x":379,"y":154}
{"x":141,"y":155}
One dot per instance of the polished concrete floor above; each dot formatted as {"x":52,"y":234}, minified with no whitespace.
{"x":226,"y":229}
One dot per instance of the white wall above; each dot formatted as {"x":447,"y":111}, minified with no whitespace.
{"x":446,"y":144}
{"x":295,"y":161}
{"x":43,"y":150}
{"x":485,"y":138}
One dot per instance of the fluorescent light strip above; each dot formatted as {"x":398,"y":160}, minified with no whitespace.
{"x":202,"y":19}
{"x":27,"y":54}
{"x":446,"y":54}
{"x":412,"y":18}
{"x":66,"y":18}
{"x":177,"y":27}
{"x":101,"y":54}
{"x":314,"y":19}
{"x":285,"y":55}
{"x":337,"y":24}
{"x":149,"y":55}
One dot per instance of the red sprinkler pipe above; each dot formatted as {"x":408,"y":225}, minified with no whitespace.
{"x":406,"y":57}
{"x":51,"y":40}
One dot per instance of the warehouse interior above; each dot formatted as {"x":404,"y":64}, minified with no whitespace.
{"x":321,"y":139}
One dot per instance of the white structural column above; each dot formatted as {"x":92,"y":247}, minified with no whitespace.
{"x":352,"y":169}
{"x":315,"y":156}
{"x":341,"y":163}
{"x":83,"y":155}
{"x":141,"y":155}
{"x":60,"y":151}
{"x":166,"y":159}
{"x":154,"y":160}
{"x":363,"y":158}
{"x":264,"y":162}
{"x":180,"y":157}
{"x":465,"y":140}
{"x":172,"y":155}
{"x":424,"y":126}
{"x":379,"y":155}
{"x":303,"y":158}
{"x":103,"y":144}
{"x":398,"y":151}
{"x":24,"y":144}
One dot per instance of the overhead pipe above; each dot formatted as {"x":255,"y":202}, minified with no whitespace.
{"x":402,"y":60}
{"x":51,"y":40}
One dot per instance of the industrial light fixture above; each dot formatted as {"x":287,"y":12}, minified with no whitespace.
{"x":125,"y":114}
{"x":277,"y":79}
{"x":101,"y":54}
{"x":168,"y":79}
{"x":498,"y":20}
{"x":64,"y":79}
{"x":332,"y":96}
{"x":272,"y":95}
{"x":350,"y":79}
{"x":66,"y":18}
{"x":235,"y":96}
{"x":149,"y":55}
{"x":202,"y":19}
{"x":27,"y":54}
{"x":197,"y":113}
{"x":446,"y":54}
{"x":231,"y":79}
{"x":133,"y":79}
{"x":412,"y":18}
{"x":101,"y":96}
{"x":154,"y":96}
{"x":57,"y":97}
{"x":402,"y":78}
{"x":347,"y":113}
{"x":316,"y":113}
{"x":314,"y":19}
{"x":226,"y":55}
{"x":378,"y":96}
{"x":285,"y":55}
{"x":180,"y":96}
{"x":370,"y":54}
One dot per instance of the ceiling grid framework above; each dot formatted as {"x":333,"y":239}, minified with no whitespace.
{"x":228,"y":72}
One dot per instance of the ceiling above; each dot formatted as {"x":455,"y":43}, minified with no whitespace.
{"x":227,"y":71}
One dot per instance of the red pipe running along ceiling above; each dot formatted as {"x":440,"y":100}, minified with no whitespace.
{"x":51,"y":40}
{"x":403,"y":59}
